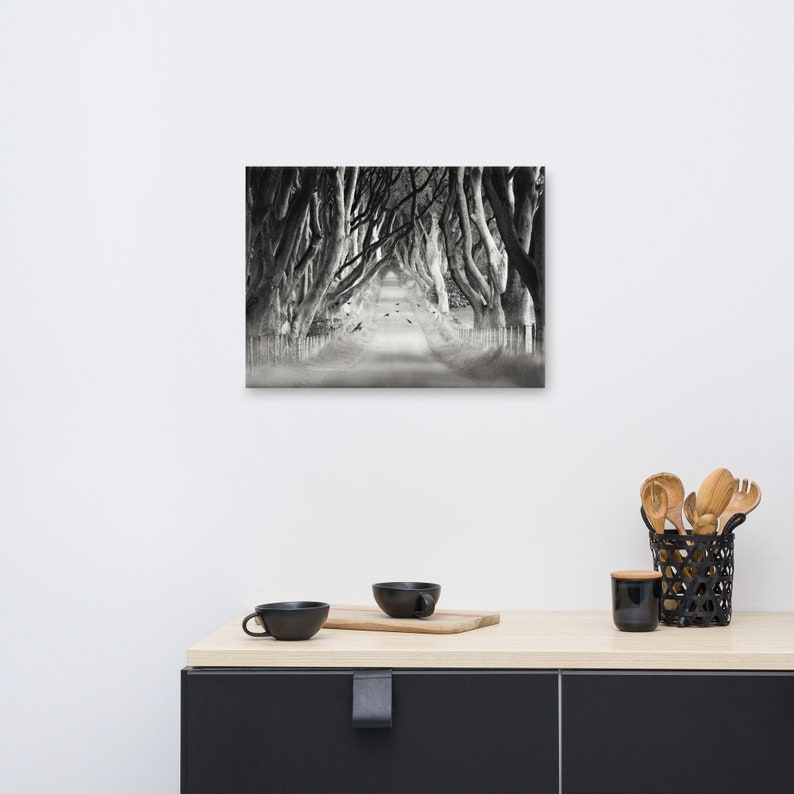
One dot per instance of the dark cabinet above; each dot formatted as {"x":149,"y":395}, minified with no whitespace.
{"x":250,"y":731}
{"x":261,"y":730}
{"x":685,"y":732}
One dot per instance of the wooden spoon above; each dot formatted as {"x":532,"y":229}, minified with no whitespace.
{"x":654,"y":500}
{"x":690,"y":509}
{"x":745,"y":497}
{"x":714,"y":493}
{"x":675,"y":497}
{"x":705,"y":525}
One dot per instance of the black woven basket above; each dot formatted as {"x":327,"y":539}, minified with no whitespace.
{"x":697,"y":576}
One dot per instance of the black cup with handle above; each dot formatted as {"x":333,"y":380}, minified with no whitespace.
{"x":288,"y":620}
{"x":407,"y":599}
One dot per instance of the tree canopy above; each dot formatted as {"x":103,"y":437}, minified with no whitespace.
{"x":316,"y":236}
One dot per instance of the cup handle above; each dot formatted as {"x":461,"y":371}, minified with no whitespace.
{"x":426,"y":606}
{"x":266,"y":633}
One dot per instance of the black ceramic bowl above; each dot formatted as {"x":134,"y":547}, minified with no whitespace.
{"x":407,"y":599}
{"x":289,"y":620}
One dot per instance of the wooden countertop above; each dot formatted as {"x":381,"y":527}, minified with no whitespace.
{"x":522,"y":640}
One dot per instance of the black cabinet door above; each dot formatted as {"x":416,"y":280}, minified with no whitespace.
{"x":453,"y":732}
{"x":688,"y":733}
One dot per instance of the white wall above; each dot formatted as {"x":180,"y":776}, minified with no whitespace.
{"x":148,"y":498}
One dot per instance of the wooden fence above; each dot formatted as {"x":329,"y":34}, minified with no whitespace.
{"x":267,"y":351}
{"x":517,"y":339}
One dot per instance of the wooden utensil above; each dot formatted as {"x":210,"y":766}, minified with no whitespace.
{"x":745,"y":497}
{"x":675,"y":497}
{"x":690,"y":508}
{"x":714,"y":493}
{"x":705,"y":525}
{"x":654,"y":500}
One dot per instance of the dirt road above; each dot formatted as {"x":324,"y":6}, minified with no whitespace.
{"x":397,"y":351}
{"x":388,"y":349}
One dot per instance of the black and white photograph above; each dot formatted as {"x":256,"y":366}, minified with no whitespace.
{"x":395,"y":276}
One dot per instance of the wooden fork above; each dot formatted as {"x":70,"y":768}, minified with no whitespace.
{"x":746,"y":496}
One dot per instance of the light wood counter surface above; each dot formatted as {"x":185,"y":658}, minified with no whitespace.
{"x":522,"y":640}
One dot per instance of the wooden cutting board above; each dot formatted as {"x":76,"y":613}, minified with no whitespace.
{"x":442,"y":621}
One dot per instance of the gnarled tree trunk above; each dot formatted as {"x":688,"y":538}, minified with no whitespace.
{"x":497,"y":260}
{"x":433,"y":259}
{"x":516,"y":302}
{"x":501,"y":200}
{"x":456,"y":269}
{"x":492,"y":315}
{"x":333,"y":255}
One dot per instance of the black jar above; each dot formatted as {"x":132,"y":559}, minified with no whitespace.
{"x":636,"y":597}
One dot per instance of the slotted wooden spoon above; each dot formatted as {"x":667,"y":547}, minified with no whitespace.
{"x":675,"y":497}
{"x":654,"y":503}
{"x":745,"y":497}
{"x":654,"y":500}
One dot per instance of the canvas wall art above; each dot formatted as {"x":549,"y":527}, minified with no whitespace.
{"x":395,"y":276}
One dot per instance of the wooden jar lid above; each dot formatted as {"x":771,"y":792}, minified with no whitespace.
{"x":636,"y":575}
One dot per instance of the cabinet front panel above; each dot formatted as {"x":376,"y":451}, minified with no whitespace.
{"x":255,"y":731}
{"x":689,"y":733}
